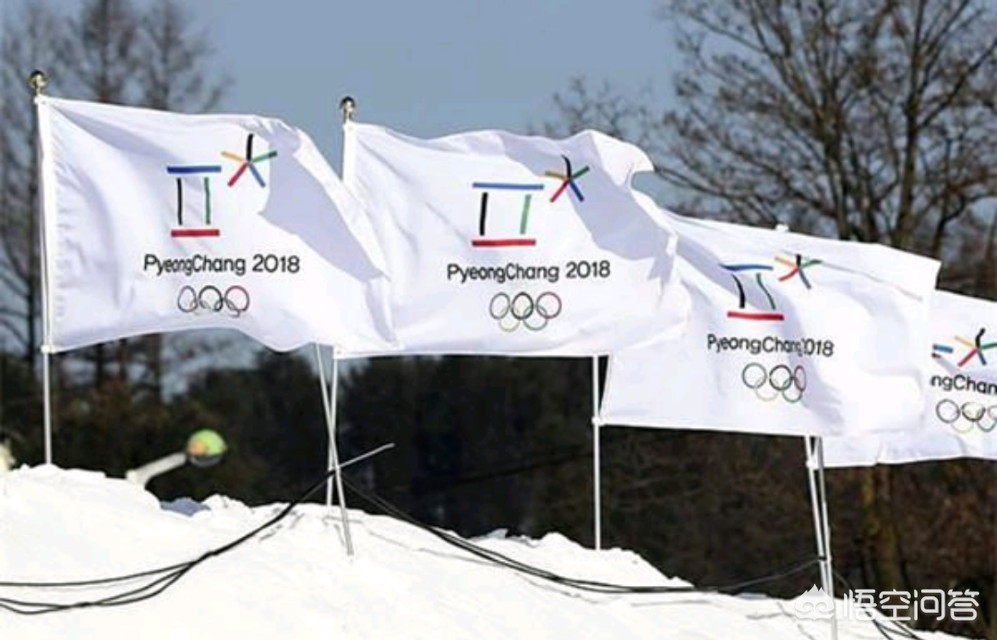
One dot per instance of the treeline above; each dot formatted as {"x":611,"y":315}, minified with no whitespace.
{"x":269,"y":412}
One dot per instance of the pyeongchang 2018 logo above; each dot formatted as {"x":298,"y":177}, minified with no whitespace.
{"x":756,"y":287}
{"x":197,"y":218}
{"x":966,"y":416}
{"x":534,"y":311}
{"x":567,"y":182}
{"x":795,"y":267}
{"x":200,"y":175}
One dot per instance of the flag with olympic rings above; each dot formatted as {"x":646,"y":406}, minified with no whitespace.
{"x":157,"y":222}
{"x":789,"y":334}
{"x":514,"y":245}
{"x":960,"y":416}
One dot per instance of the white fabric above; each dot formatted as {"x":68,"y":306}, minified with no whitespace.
{"x":829,"y":349}
{"x":286,"y":258}
{"x":960,"y":417}
{"x":492,"y":253}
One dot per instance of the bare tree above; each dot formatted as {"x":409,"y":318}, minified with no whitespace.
{"x":101,"y":51}
{"x":175,"y":57}
{"x":876,"y":117}
{"x":865,"y":120}
{"x":27,"y":43}
{"x":107,"y":51}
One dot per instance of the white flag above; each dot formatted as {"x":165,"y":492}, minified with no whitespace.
{"x":960,"y":416}
{"x":506,"y":244}
{"x":789,"y":334}
{"x":158,"y":221}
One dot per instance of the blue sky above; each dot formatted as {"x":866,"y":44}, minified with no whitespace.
{"x":430,"y":67}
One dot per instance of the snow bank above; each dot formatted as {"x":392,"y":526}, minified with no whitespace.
{"x":295,"y":581}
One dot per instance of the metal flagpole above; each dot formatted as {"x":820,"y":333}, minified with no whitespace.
{"x":822,"y":529}
{"x":596,"y":457}
{"x":37,"y":81}
{"x":829,"y":565}
{"x":330,"y":394}
{"x":329,"y":402}
{"x":815,"y":506}
{"x":330,"y":419}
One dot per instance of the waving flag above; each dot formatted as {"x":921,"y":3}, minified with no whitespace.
{"x":789,"y":334}
{"x":505,"y":244}
{"x":158,"y":221}
{"x":960,"y":410}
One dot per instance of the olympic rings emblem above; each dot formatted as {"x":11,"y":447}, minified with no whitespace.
{"x":780,"y":380}
{"x":234,"y":301}
{"x":974,"y":413}
{"x":522,"y":309}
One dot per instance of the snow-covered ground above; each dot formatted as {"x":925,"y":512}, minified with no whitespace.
{"x":295,"y":581}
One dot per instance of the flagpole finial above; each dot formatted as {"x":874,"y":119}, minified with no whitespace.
{"x":349,"y":107}
{"x":37,"y":81}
